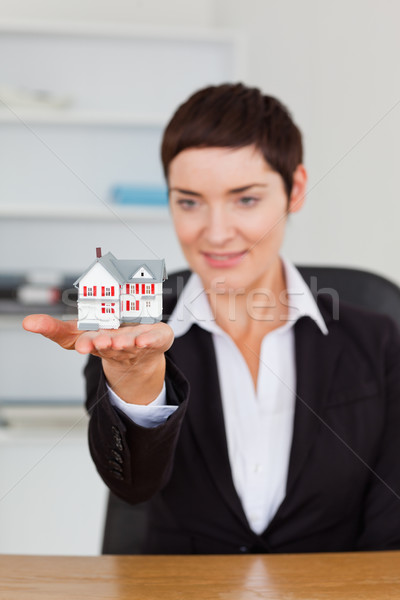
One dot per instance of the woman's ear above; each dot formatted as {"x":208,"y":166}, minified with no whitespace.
{"x":299,"y":188}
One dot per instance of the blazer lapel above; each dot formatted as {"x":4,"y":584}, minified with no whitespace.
{"x":317,"y":356}
{"x":194,"y":353}
{"x":316,"y":359}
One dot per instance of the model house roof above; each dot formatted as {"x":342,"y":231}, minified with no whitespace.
{"x":124,"y":271}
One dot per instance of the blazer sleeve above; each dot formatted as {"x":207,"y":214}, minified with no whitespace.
{"x":381,"y":514}
{"x":134,"y":462}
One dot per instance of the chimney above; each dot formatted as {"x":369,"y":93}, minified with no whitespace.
{"x":98,"y":252}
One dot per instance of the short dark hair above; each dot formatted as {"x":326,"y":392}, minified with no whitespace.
{"x":234,"y":116}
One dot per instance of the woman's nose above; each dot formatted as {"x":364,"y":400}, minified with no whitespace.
{"x":220,"y":228}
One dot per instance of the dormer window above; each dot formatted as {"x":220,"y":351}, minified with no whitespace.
{"x":142,"y":272}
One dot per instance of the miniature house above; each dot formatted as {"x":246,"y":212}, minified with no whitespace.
{"x":112,"y":291}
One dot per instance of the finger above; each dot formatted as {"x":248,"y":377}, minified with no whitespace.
{"x":63,"y":333}
{"x":85,"y":343}
{"x":102,"y":341}
{"x":106,"y":343}
{"x":160,"y":337}
{"x":38,"y":323}
{"x":125,"y":340}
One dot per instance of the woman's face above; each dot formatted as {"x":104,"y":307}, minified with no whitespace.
{"x":229,"y":210}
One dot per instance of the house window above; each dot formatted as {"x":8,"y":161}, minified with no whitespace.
{"x":108,"y":291}
{"x":148,"y":289}
{"x":132,"y":288}
{"x":89,"y":291}
{"x":132,"y":305}
{"x":148,"y":303}
{"x":108,"y":309}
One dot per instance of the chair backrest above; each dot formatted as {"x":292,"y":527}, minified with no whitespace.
{"x":361,"y":288}
{"x":125,"y":525}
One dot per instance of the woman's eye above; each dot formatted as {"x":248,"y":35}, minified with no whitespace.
{"x":187,"y":203}
{"x":248,"y":201}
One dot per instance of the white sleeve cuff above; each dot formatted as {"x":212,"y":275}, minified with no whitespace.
{"x":145,"y":415}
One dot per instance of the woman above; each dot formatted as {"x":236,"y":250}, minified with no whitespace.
{"x":268,"y":425}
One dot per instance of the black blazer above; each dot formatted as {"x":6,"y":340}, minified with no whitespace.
{"x":343,"y":487}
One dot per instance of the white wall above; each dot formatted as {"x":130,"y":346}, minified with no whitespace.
{"x":335,"y":64}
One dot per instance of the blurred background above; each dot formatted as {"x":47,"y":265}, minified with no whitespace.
{"x":86,"y":88}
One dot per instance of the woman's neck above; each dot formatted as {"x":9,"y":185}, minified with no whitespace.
{"x":262,"y":306}
{"x":249,"y":316}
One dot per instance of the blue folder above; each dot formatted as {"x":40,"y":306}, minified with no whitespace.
{"x":140,"y":195}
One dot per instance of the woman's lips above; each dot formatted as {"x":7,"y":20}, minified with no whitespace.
{"x":223,"y":260}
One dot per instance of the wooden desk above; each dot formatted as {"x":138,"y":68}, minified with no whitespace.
{"x":366,"y":576}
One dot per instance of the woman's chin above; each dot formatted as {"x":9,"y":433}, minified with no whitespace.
{"x":223,"y":282}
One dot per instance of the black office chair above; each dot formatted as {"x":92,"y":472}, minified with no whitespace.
{"x":125,"y":525}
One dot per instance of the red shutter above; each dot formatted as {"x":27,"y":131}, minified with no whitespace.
{"x":94,"y":290}
{"x":112,"y":307}
{"x":152,"y":288}
{"x":137,"y":288}
{"x":103,"y":290}
{"x":137,"y":304}
{"x":85,"y":290}
{"x":103,"y":308}
{"x":127,"y":288}
{"x":127,"y":305}
{"x":112,"y":290}
{"x":143,"y":288}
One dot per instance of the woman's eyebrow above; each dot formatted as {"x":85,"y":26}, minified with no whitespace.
{"x":181,"y":191}
{"x":233,"y":191}
{"x":246,"y":187}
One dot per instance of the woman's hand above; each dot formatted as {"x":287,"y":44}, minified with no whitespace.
{"x":132,"y":356}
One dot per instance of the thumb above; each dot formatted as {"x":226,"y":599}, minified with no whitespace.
{"x":64,"y":333}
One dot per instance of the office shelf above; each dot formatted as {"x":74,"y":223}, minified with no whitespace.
{"x":17,"y":115}
{"x":117,"y":86}
{"x":83,"y":213}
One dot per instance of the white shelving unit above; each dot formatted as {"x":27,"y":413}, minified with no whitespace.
{"x":58,"y":165}
{"x":79,"y":117}
{"x":98,"y":213}
{"x":79,"y":213}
